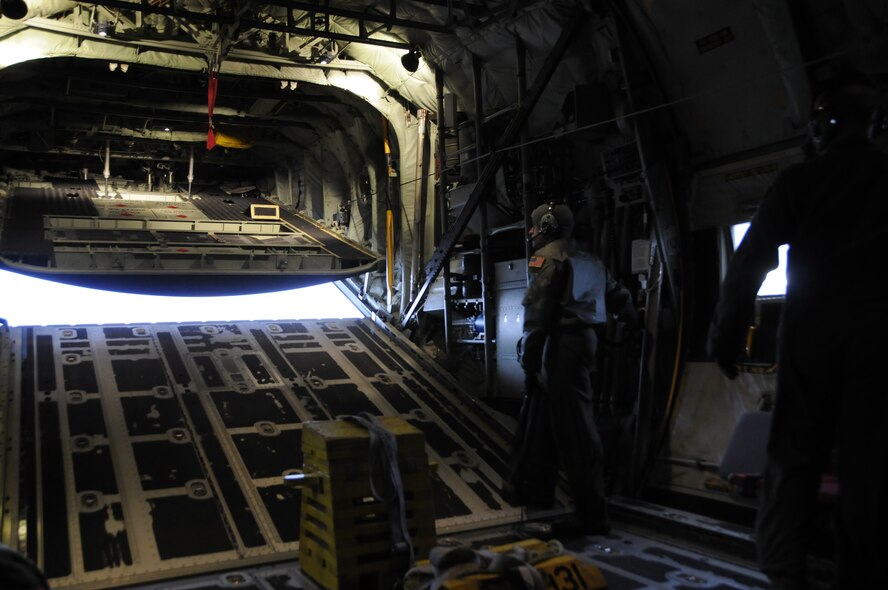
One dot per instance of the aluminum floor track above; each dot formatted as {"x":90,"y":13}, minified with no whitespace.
{"x":142,"y":453}
{"x":627,"y":560}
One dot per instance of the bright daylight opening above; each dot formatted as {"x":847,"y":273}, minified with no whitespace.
{"x":775,"y":282}
{"x":26,"y":301}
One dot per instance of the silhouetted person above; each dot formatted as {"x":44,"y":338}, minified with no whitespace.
{"x":832,"y":210}
{"x":569,"y":298}
{"x":17,"y":572}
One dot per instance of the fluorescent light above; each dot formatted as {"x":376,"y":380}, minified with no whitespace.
{"x":35,"y":302}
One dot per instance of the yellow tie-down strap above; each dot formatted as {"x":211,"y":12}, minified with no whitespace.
{"x":558,"y":571}
{"x":563,"y":572}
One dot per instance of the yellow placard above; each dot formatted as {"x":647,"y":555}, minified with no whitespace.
{"x":566,"y":572}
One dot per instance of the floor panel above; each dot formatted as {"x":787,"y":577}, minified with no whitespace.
{"x":627,"y":560}
{"x":150,"y":452}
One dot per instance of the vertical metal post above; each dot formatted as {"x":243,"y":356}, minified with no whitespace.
{"x":486,"y":299}
{"x":389,"y":220}
{"x":107,"y":171}
{"x":479,"y":115}
{"x":511,"y":133}
{"x":525,"y":173}
{"x":190,"y":171}
{"x":290,"y":200}
{"x":644,"y":402}
{"x":419,"y":204}
{"x":389,"y":258}
{"x":442,"y":203}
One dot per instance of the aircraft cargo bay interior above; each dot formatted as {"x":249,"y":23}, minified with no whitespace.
{"x":561,"y":347}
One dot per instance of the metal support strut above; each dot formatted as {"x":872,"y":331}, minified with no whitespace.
{"x":449,"y":239}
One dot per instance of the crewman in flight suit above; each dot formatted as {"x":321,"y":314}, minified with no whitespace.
{"x":570,"y":294}
{"x":832,"y":210}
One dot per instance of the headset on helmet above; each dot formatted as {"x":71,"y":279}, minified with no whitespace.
{"x":834,"y":106}
{"x":878,"y":123}
{"x":549,"y":222}
{"x":823,"y":126}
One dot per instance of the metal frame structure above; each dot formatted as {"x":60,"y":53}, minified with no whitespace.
{"x":448,"y":240}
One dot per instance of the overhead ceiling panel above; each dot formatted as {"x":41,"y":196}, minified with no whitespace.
{"x":728,"y":73}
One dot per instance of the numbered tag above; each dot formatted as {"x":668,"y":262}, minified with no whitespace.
{"x":566,"y":572}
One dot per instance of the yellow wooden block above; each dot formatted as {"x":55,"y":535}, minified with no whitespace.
{"x":345,"y":534}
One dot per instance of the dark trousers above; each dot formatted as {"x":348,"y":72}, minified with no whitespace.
{"x":831,"y":394}
{"x":557,"y":428}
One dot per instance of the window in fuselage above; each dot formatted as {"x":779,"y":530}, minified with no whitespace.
{"x":775,"y":283}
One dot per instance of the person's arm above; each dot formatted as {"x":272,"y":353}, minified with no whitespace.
{"x":542,"y":310}
{"x":757,"y":255}
{"x":618,"y":300}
